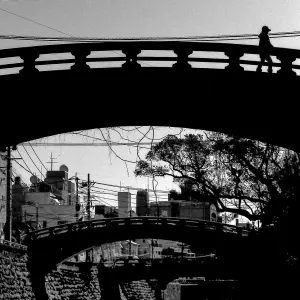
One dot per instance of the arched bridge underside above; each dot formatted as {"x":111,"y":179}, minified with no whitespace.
{"x":166,"y":270}
{"x":210,"y":86}
{"x":49,"y":247}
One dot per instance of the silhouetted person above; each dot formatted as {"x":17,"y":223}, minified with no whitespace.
{"x":265,"y":47}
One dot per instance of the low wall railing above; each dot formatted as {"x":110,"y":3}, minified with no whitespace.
{"x":138,"y":221}
{"x":13,"y":245}
{"x":131,"y":54}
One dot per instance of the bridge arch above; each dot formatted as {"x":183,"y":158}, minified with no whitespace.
{"x":230,"y":100}
{"x":51,"y":246}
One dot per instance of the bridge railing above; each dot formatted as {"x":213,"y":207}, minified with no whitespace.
{"x":137,"y":221}
{"x":181,"y":53}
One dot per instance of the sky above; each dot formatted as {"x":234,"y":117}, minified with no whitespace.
{"x":106,"y":165}
{"x":145,"y":18}
{"x":132,"y":18}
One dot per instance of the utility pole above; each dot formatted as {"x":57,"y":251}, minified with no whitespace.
{"x":89,"y":253}
{"x":130,"y":215}
{"x":88,"y":207}
{"x":8,"y":223}
{"x":37,"y":215}
{"x":77,"y":207}
{"x":8,"y":197}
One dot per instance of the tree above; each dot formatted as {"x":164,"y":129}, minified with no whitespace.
{"x":238,"y":175}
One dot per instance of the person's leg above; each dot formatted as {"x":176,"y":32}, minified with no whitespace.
{"x":262,"y":59}
{"x":270,"y":62}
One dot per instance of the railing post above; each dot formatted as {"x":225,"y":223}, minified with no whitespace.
{"x":80,"y":64}
{"x":182,"y":58}
{"x":286,"y":61}
{"x":131,"y":58}
{"x":29,"y":59}
{"x":234,"y":61}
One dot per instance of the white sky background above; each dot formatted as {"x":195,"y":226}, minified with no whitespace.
{"x":136,"y":18}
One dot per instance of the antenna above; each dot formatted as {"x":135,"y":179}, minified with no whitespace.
{"x":51,"y":162}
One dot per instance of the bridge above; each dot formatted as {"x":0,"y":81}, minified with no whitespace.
{"x":51,"y":246}
{"x":215,"y":82}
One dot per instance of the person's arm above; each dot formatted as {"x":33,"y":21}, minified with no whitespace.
{"x":270,"y":44}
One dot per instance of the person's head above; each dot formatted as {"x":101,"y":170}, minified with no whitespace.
{"x":265,"y":29}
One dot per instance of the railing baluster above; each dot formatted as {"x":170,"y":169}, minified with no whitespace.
{"x":131,"y":58}
{"x":286,"y":61}
{"x":182,"y":58}
{"x":234,"y":61}
{"x":80,"y":64}
{"x":29,"y":59}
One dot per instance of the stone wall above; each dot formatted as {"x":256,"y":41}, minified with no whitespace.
{"x":210,"y":290}
{"x":15,"y":280}
{"x":136,"y":290}
{"x":79,"y":281}
{"x":70,"y":282}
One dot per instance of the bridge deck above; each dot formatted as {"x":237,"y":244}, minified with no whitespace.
{"x":230,"y":100}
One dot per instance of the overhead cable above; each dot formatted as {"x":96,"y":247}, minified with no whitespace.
{"x":171,"y":38}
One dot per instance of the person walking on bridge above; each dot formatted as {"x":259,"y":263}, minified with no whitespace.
{"x":265,"y":47}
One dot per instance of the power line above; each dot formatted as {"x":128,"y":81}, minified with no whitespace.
{"x":30,"y":20}
{"x":46,"y":26}
{"x":33,"y":161}
{"x":86,"y":144}
{"x":29,"y":171}
{"x":174,"y":38}
{"x":37,"y":156}
{"x":129,"y":187}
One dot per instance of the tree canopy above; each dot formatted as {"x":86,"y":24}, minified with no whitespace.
{"x":240,"y":176}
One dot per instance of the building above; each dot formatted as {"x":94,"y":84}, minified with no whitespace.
{"x":161,"y":208}
{"x":18,"y":191}
{"x":124,"y":204}
{"x":71,"y":193}
{"x":149,"y":248}
{"x":42,"y":210}
{"x":59,"y":183}
{"x":110,"y":251}
{"x":130,"y":248}
{"x":142,"y":203}
{"x":184,"y":209}
{"x":106,"y":211}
